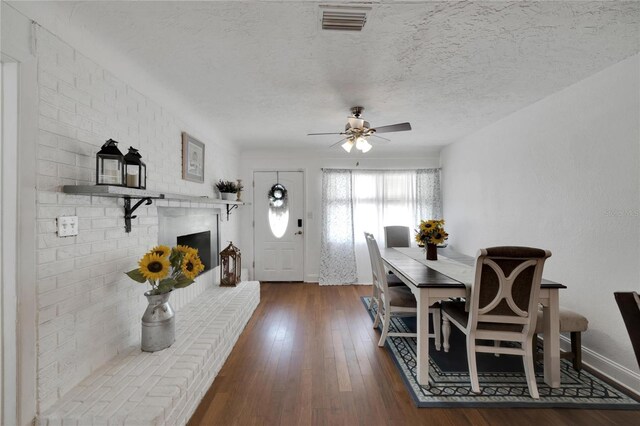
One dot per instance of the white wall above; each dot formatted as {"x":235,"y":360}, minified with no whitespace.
{"x":88,"y":310}
{"x":562,"y":174}
{"x":312,"y":163}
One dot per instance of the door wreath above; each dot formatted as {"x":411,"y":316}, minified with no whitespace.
{"x":278,"y":196}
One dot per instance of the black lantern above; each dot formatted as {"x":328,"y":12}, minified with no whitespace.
{"x":135,"y":169}
{"x":110,"y":165}
{"x":230,"y":266}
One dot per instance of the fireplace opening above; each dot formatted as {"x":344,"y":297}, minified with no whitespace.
{"x":202,"y":242}
{"x":195,"y":227}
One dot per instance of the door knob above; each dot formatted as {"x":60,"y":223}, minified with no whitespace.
{"x":298,"y":233}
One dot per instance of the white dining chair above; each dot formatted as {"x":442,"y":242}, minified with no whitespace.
{"x":503,"y":308}
{"x":397,"y":236}
{"x":392,"y":280}
{"x":394,"y":300}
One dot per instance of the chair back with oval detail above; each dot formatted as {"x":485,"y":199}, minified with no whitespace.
{"x":503,"y":307}
{"x":506,"y":289}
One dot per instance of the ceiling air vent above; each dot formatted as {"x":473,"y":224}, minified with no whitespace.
{"x":344,"y":18}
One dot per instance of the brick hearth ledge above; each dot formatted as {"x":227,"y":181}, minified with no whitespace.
{"x":140,"y":388}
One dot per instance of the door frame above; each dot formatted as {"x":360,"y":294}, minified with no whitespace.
{"x":18,"y":252}
{"x":304,"y":214}
{"x":18,"y":46}
{"x":8,"y":220}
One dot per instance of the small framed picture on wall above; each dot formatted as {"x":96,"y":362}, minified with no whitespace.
{"x":192,"y":158}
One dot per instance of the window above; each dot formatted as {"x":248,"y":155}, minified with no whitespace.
{"x":355,"y":201}
{"x":278,"y":221}
{"x":382,"y":199}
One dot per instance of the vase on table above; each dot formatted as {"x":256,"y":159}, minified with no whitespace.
{"x":432,"y":252}
{"x":158,"y":323}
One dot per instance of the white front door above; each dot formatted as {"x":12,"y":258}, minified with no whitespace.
{"x":278,"y":231}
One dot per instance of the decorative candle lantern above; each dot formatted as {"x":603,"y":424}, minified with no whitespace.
{"x":230,"y":266}
{"x":135,"y":169}
{"x":110,"y":165}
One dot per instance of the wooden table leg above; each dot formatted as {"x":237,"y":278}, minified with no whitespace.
{"x":552,"y":340}
{"x":422,"y":355}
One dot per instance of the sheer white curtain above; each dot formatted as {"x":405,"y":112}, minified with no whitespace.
{"x":381,"y":199}
{"x":337,"y":256}
{"x":428,"y":194}
{"x":387,"y":198}
{"x":378,"y":198}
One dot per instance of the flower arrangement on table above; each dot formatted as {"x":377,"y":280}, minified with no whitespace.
{"x":431,"y":233}
{"x":167,"y":268}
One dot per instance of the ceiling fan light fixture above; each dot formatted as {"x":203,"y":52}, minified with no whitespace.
{"x":360,"y":142}
{"x":365,"y":146}
{"x":348,"y":145}
{"x":357,"y":131}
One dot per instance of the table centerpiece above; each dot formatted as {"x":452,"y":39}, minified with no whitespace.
{"x":430,"y":234}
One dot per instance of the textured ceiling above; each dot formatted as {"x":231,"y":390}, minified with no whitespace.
{"x":265,"y":75}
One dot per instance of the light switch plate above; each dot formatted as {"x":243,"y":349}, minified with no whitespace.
{"x":67,"y":226}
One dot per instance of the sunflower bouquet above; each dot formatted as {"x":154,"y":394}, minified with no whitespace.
{"x":167,"y":268}
{"x":431,"y":232}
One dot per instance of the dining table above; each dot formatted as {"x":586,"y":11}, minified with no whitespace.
{"x":430,"y":284}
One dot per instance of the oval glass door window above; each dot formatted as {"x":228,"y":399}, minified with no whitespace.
{"x":278,"y":221}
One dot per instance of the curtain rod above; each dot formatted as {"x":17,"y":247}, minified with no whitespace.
{"x":382,"y":170}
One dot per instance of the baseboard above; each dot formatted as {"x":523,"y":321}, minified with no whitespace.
{"x":311,"y":278}
{"x":611,"y":370}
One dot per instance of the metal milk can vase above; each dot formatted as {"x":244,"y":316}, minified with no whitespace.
{"x":158,"y":323}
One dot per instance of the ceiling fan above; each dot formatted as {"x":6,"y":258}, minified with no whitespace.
{"x":357,"y":131}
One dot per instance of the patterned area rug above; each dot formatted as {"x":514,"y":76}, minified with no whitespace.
{"x":502,"y":379}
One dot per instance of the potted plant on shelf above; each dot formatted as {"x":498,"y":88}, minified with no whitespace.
{"x":227,"y":189}
{"x":239,"y":188}
{"x":431,"y":233}
{"x":164,"y":269}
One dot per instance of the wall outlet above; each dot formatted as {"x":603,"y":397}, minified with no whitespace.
{"x":67,"y":226}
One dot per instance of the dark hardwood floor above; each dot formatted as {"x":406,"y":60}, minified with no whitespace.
{"x":308,"y":356}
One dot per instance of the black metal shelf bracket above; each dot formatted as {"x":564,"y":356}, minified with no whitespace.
{"x":128,"y":210}
{"x":229,"y":208}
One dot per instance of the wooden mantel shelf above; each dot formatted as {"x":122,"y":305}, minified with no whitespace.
{"x":145,"y":196}
{"x":202,"y":199}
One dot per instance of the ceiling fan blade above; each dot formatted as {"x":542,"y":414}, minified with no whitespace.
{"x":338,"y":142}
{"x":317,"y":134}
{"x":400,"y":127}
{"x":380,"y":137}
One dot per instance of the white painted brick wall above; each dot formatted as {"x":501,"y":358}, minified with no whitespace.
{"x":139,"y":388}
{"x":89,"y":311}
